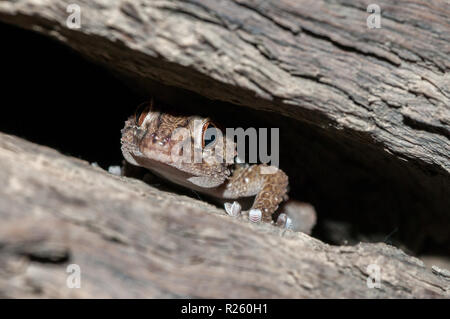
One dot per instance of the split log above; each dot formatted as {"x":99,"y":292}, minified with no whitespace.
{"x":132,"y":240}
{"x":365,"y":118}
{"x":370,"y":106}
{"x":310,"y":60}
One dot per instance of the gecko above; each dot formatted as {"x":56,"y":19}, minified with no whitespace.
{"x":154,"y":138}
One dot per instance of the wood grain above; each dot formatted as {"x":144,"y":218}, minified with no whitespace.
{"x":134,"y":241}
{"x":367,"y":110}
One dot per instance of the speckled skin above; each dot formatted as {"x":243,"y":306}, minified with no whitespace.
{"x":149,"y":138}
{"x":270,"y":189}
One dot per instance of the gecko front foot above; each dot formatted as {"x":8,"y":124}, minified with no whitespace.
{"x":297,"y":216}
{"x":267,"y":183}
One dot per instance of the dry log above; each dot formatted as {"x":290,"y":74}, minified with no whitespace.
{"x":365,"y":118}
{"x":132,"y":240}
{"x":297,"y":57}
{"x":370,"y":106}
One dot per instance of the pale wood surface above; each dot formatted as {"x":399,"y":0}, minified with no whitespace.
{"x":381,"y":95}
{"x":132,"y":240}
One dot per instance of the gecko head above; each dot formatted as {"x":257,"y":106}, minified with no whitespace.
{"x":190,"y":147}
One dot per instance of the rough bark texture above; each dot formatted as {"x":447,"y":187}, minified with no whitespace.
{"x":365,"y":116}
{"x":296,"y":56}
{"x":371,"y":106}
{"x":132,"y":240}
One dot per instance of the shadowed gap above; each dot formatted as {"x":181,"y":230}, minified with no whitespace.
{"x":54,"y":97}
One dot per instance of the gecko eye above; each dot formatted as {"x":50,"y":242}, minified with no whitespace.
{"x":141,"y":113}
{"x":210,"y":134}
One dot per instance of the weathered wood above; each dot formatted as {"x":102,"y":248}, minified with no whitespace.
{"x":390,"y":83}
{"x":369,"y":108}
{"x":378,"y":97}
{"x":132,"y":240}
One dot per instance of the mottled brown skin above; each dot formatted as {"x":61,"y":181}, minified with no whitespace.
{"x":150,"y":137}
{"x":270,"y":189}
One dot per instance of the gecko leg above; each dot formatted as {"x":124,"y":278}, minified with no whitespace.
{"x":269,"y":184}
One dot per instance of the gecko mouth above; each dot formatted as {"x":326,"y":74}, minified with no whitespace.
{"x":360,"y":191}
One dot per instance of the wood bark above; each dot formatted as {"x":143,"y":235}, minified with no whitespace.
{"x":132,"y":240}
{"x":367,"y":110}
{"x":319,"y":56}
{"x":378,"y":97}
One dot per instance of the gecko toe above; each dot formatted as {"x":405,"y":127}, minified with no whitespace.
{"x":255,"y":215}
{"x":281,"y":220}
{"x":289,"y":224}
{"x":284,"y":221}
{"x":233,"y":209}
